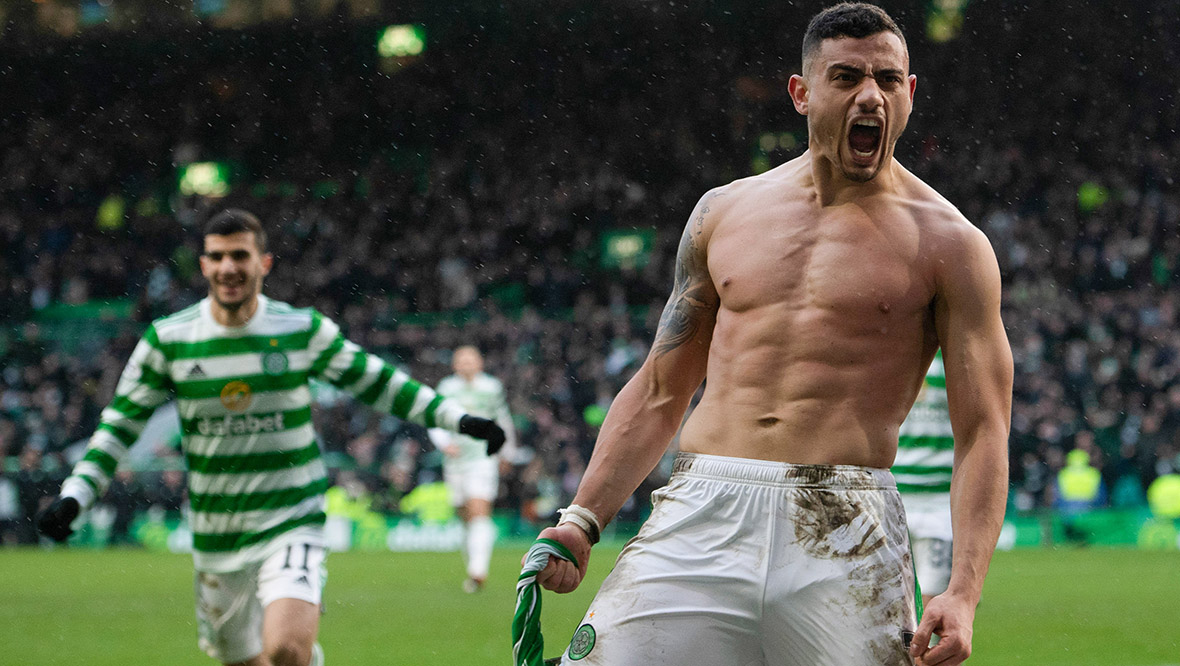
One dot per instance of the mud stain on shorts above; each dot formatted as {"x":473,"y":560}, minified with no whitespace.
{"x":865,"y":585}
{"x":878,"y":591}
{"x":830,"y":524}
{"x":810,"y":474}
{"x":895,"y":520}
{"x":891,"y":652}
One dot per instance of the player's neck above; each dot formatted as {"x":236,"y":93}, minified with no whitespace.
{"x":235,"y":317}
{"x":833,"y":188}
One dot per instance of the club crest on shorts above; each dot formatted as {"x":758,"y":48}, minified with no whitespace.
{"x":582,"y":642}
{"x":274,"y":363}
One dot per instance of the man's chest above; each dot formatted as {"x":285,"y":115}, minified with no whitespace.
{"x":245,"y":376}
{"x":852,"y":265}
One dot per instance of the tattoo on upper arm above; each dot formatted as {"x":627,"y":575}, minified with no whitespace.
{"x":693,"y":300}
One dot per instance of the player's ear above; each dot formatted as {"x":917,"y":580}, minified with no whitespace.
{"x":268,"y":260}
{"x":913,"y":86}
{"x":797,"y":87}
{"x":207,"y":266}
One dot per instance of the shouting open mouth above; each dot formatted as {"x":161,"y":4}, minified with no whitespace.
{"x":864,"y":139}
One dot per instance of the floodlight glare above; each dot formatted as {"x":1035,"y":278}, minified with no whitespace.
{"x":401,"y":40}
{"x":209,"y":179}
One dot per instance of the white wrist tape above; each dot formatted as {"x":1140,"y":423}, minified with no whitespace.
{"x":583,"y":518}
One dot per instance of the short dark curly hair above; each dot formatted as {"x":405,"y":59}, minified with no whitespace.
{"x":847,"y":19}
{"x":235,"y":220}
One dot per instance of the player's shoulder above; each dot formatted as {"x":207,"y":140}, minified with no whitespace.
{"x":186,"y":315}
{"x":733,"y":191}
{"x":955,"y":246}
{"x":281,"y":317}
{"x":716,"y":203}
{"x":947,"y":232}
{"x":932,"y":210}
{"x":280,"y":309}
{"x":171,"y":325}
{"x":759,"y":189}
{"x":489,"y":383}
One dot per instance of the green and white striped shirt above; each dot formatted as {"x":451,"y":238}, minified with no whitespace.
{"x":482,"y":396}
{"x":255,"y":470}
{"x":925,"y":446}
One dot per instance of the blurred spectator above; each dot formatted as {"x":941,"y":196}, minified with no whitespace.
{"x":35,"y":487}
{"x":1164,"y":497}
{"x":1124,"y":479}
{"x":1032,"y":476}
{"x":10,"y":510}
{"x":126,"y":496}
{"x":470,"y":196}
{"x":1079,"y":484}
{"x":1079,"y":489}
{"x":168,"y":494}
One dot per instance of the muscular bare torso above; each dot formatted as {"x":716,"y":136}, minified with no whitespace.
{"x":825,"y":323}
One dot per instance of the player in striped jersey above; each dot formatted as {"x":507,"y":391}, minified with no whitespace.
{"x":238,"y":365}
{"x":925,"y":456}
{"x":473,"y":476}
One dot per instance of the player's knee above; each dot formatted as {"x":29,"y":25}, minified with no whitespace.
{"x":290,"y":652}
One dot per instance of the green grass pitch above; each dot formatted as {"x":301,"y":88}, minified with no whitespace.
{"x":1093,"y":607}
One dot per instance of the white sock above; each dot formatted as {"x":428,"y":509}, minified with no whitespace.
{"x":481,"y":536}
{"x":465,"y":544}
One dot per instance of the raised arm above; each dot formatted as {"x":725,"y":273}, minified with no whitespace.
{"x":385,"y":388}
{"x":978,"y":363}
{"x":143,"y":386}
{"x":647,"y":412}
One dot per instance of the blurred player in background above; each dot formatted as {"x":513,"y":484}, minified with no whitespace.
{"x":471,"y":474}
{"x":239,"y":365}
{"x":923,"y":467}
{"x":813,"y":297}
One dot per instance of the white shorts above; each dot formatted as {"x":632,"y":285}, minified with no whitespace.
{"x":929,"y":518}
{"x":230,"y":605}
{"x":932,"y":563}
{"x":755,"y":563}
{"x":928,"y":515}
{"x":472,"y":479}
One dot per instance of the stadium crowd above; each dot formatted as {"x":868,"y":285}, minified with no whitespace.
{"x":464,"y":196}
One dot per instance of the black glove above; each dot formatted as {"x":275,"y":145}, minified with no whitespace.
{"x":54,"y":521}
{"x":482,"y":428}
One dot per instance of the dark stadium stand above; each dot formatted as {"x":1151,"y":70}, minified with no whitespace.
{"x":521,"y":184}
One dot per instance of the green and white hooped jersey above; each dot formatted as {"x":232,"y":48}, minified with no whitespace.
{"x":254,"y":466}
{"x":482,"y":396}
{"x":925,"y":447}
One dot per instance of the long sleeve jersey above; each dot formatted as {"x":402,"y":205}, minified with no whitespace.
{"x":925,"y":447}
{"x":482,"y":396}
{"x":254,"y":466}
